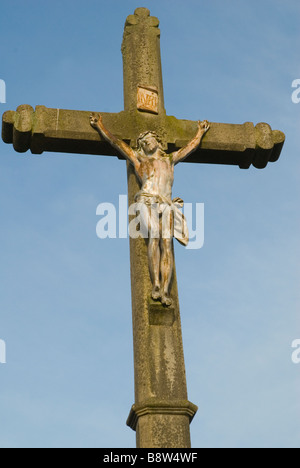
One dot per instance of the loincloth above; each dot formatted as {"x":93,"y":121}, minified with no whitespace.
{"x":164,"y":206}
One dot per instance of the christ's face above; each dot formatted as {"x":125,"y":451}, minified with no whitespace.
{"x":149,"y":144}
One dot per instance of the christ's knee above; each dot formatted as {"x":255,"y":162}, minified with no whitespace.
{"x":166,"y":247}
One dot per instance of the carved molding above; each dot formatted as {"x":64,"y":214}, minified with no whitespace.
{"x":177,"y":407}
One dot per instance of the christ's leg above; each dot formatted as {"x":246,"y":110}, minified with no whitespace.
{"x":166,"y":250}
{"x":154,"y":262}
{"x":149,"y":217}
{"x":166,"y":268}
{"x":154,"y":250}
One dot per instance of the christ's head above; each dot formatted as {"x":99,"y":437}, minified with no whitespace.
{"x":148,"y":142}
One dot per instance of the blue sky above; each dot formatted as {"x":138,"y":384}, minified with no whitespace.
{"x":65,"y":294}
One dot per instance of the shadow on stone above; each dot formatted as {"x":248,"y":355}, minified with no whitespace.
{"x":160,"y":314}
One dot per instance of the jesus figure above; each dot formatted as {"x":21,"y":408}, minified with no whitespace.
{"x":154,"y":169}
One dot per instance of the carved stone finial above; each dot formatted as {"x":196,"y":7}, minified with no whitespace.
{"x":142,"y":16}
{"x":142,"y":12}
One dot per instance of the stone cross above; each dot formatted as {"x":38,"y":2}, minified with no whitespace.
{"x":161,"y":413}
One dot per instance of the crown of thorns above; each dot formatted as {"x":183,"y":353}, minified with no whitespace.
{"x":142,"y":136}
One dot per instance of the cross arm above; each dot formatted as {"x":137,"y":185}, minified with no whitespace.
{"x":233,"y":144}
{"x":58,"y":130}
{"x":69,"y":131}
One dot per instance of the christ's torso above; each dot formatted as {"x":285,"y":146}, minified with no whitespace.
{"x":157,"y":175}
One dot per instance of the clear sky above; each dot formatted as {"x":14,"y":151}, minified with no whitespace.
{"x":65,"y":294}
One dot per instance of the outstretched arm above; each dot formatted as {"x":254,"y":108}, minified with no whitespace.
{"x":181,"y":154}
{"x":120,"y":145}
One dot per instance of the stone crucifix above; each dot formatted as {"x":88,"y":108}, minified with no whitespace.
{"x":154,"y":170}
{"x":162,"y":413}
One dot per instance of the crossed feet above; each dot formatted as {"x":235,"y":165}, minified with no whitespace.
{"x":158,"y":294}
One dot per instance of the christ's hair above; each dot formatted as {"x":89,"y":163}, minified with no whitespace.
{"x":142,"y":136}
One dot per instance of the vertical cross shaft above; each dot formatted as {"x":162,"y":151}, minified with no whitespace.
{"x":141,"y":58}
{"x":161,"y":414}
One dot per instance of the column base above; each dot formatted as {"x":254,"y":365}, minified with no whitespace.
{"x":161,"y":424}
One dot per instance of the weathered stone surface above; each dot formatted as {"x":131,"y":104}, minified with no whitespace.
{"x":141,"y":58}
{"x":162,"y":424}
{"x":159,"y":315}
{"x":60,"y":130}
{"x":163,"y":431}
